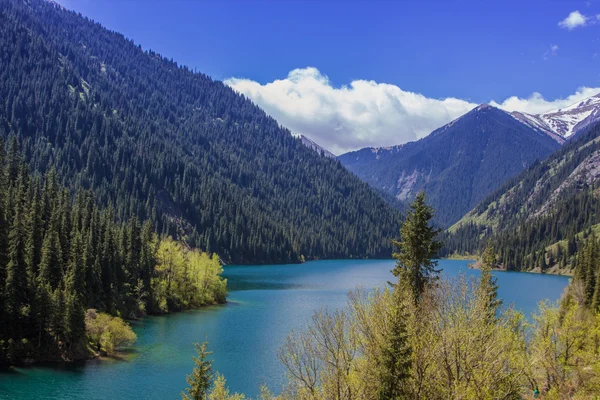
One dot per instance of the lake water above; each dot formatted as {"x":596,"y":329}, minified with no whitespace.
{"x":265,"y":303}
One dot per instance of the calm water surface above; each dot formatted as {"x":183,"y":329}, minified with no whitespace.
{"x":265,"y":303}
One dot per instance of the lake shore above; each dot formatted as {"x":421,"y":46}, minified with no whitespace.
{"x":555,"y":270}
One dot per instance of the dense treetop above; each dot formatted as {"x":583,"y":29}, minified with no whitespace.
{"x":61,"y":255}
{"x":173,"y":146}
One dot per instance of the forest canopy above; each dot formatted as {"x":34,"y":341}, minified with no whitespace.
{"x":60,"y":255}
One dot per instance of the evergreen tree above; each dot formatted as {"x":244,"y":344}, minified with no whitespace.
{"x":15,"y":286}
{"x":14,"y":160}
{"x":51,"y":267}
{"x":201,"y":378}
{"x":4,"y":233}
{"x":588,"y":262}
{"x":417,"y":248}
{"x":596,"y":297}
{"x":394,"y":365}
{"x":73,"y":312}
{"x":488,"y":285}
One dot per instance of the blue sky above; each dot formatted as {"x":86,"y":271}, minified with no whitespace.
{"x":474,"y":51}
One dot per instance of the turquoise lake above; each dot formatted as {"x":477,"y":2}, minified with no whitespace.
{"x":265,"y":303}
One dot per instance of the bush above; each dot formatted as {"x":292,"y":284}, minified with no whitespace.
{"x":108,"y":333}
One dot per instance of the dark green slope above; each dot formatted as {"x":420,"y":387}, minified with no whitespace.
{"x":538,"y":219}
{"x":173,"y":146}
{"x":458,"y":164}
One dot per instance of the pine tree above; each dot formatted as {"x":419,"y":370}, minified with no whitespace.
{"x":51,"y":261}
{"x":35,"y":236}
{"x":15,"y":286}
{"x":394,"y":365}
{"x":3,"y":233}
{"x":488,"y":284}
{"x":596,"y":297}
{"x":543,"y":264}
{"x":73,"y":312}
{"x":13,"y":160}
{"x":590,"y":259}
{"x":147,"y":263}
{"x":417,"y":248}
{"x":201,"y":378}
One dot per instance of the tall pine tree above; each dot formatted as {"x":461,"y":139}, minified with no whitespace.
{"x":417,"y":247}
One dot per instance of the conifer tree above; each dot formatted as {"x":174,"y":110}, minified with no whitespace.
{"x":488,"y":284}
{"x":395,"y":362}
{"x":15,"y":286}
{"x":596,"y":297}
{"x":201,"y":378}
{"x":4,"y":229}
{"x":588,"y":263}
{"x":73,"y":313}
{"x":13,"y":160}
{"x":51,"y":264}
{"x":417,"y":248}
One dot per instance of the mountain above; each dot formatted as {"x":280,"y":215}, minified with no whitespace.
{"x":313,"y":145}
{"x":457,"y":165}
{"x":565,"y":122}
{"x":539,"y":218}
{"x":173,"y":146}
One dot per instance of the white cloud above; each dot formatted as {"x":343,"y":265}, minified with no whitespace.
{"x":551,"y":52}
{"x":536,"y":104}
{"x":366,"y":113}
{"x":574,"y":20}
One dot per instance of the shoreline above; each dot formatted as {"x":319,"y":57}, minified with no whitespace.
{"x":92,"y":354}
{"x":550,"y":271}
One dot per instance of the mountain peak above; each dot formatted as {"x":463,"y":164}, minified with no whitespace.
{"x":483,"y":106}
{"x":564,"y":122}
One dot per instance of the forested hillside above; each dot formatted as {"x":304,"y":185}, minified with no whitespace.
{"x":172,"y":146}
{"x":541,"y":218}
{"x":458,"y":164}
{"x":61,"y":255}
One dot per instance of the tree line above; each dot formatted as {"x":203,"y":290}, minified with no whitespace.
{"x":60,"y":255}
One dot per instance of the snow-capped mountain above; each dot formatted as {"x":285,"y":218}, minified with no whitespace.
{"x":457,"y":165}
{"x":564,"y":122}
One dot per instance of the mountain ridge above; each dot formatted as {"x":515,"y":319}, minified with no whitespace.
{"x":176,"y":147}
{"x":538,"y":219}
{"x":457,"y":164}
{"x":564,"y":122}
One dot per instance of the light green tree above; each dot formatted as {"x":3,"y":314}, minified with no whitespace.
{"x":201,"y":378}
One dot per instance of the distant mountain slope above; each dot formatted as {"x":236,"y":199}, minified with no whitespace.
{"x":316,"y":147}
{"x":458,"y":164}
{"x":537,"y":218}
{"x":565,"y":122}
{"x":175,"y":147}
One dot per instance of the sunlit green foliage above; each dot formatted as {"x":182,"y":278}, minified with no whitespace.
{"x":62,"y":255}
{"x":186,"y":278}
{"x":201,"y":378}
{"x":107,"y":333}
